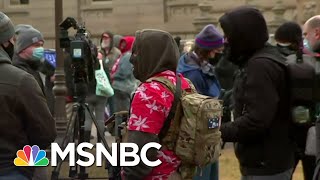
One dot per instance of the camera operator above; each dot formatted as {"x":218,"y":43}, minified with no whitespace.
{"x":25,"y":117}
{"x":96,"y":103}
{"x":69,"y":82}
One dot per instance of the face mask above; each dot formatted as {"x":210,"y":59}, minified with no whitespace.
{"x":284,"y":44}
{"x":306,"y":44}
{"x":213,"y":61}
{"x":105,"y":44}
{"x":38,"y":53}
{"x":9,"y":50}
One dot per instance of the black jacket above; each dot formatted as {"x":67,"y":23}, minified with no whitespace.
{"x":262,"y":124}
{"x":25,"y":117}
{"x":262,"y":118}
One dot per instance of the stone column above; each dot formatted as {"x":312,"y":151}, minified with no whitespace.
{"x":300,"y":5}
{"x":205,"y":17}
{"x":59,"y":88}
{"x":309,"y":10}
{"x":278,"y":10}
{"x":318,"y":7}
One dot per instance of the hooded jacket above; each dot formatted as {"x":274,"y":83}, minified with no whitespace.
{"x":206,"y":83}
{"x":261,"y":128}
{"x":123,"y":79}
{"x":110,"y":57}
{"x":155,"y":54}
{"x":129,"y":42}
{"x":25,"y":117}
{"x":127,"y":49}
{"x":246,"y":32}
{"x":159,"y":50}
{"x":116,"y":40}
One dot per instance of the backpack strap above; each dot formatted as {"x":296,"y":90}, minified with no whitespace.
{"x":316,"y":174}
{"x":177,"y":95}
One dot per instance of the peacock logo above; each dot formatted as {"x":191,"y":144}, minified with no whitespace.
{"x":31,"y":156}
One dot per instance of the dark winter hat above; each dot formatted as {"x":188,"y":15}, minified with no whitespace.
{"x":289,"y":32}
{"x":6,"y":28}
{"x":209,"y":38}
{"x":246,"y":30}
{"x":26,"y":35}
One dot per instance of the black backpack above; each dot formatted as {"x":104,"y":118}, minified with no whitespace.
{"x":304,"y":86}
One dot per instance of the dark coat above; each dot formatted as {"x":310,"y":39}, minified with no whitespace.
{"x":31,"y":68}
{"x":34,"y":69}
{"x":262,"y":111}
{"x":262,"y":118}
{"x":25,"y":117}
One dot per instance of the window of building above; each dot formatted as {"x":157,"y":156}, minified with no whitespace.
{"x":17,"y":2}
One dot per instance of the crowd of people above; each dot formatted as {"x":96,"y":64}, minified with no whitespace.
{"x":237,"y":66}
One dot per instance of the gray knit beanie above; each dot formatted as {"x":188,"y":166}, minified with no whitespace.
{"x":6,"y":28}
{"x":26,"y":35}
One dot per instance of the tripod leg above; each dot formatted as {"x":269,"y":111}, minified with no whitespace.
{"x":100,"y":134}
{"x":73,"y":170}
{"x":81,"y":114}
{"x":111,"y":170}
{"x":66,"y":139}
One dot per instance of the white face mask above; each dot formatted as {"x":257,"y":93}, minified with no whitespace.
{"x":284,"y":44}
{"x":105,"y":44}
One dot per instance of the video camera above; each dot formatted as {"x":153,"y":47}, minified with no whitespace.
{"x":82,"y":52}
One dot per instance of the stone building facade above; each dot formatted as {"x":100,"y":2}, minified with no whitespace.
{"x":180,"y":17}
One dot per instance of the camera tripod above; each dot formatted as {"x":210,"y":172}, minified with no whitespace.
{"x":75,"y":134}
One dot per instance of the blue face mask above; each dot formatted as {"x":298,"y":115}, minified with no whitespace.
{"x":306,"y":44}
{"x":38,"y":53}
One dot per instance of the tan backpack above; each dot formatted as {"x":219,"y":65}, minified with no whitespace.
{"x":192,"y":129}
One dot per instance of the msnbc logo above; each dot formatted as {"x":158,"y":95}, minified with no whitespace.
{"x":31,"y":156}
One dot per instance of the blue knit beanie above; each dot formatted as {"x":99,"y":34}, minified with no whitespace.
{"x":209,"y":38}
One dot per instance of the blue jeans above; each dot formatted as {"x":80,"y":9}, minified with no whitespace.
{"x":210,"y":172}
{"x":13,"y":175}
